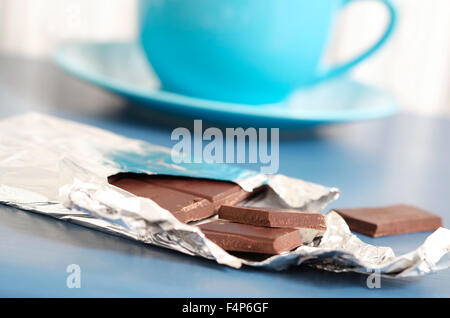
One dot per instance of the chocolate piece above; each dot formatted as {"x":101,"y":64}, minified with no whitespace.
{"x":213,"y":190}
{"x":272,"y":218}
{"x":248,"y":238}
{"x":216,"y":191}
{"x":184,"y":206}
{"x":389,"y":220}
{"x":189,"y":199}
{"x":311,"y":225}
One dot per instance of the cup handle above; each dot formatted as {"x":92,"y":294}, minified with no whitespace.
{"x":342,"y":68}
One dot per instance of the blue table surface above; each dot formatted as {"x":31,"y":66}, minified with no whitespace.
{"x":401,"y":159}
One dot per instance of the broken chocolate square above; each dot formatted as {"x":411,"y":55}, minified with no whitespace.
{"x":248,"y":238}
{"x":389,"y":220}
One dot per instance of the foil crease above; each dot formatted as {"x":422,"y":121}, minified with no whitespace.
{"x":60,"y":168}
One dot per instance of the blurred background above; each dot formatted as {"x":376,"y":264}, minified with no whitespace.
{"x":414,"y":66}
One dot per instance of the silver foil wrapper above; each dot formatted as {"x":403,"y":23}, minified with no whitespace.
{"x":60,"y":168}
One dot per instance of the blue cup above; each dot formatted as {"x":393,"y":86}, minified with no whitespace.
{"x":243,"y":51}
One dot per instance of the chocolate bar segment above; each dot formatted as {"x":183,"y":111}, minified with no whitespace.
{"x":189,"y":199}
{"x":216,"y":191}
{"x":213,"y":190}
{"x":184,"y":206}
{"x":390,"y":220}
{"x":272,"y":218}
{"x":248,"y":238}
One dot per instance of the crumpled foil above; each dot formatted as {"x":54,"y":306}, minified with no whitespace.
{"x":60,"y":168}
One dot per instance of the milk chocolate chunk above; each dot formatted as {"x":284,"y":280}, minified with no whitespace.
{"x":272,"y":218}
{"x":216,"y":191}
{"x":184,"y":206}
{"x":389,"y":220}
{"x":249,"y":238}
{"x":189,"y":199}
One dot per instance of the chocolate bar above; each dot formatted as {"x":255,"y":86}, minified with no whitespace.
{"x":389,"y":220}
{"x":188,"y":199}
{"x":184,"y":206}
{"x":215,"y":191}
{"x":272,"y":218}
{"x":249,"y":238}
{"x":311,"y":225}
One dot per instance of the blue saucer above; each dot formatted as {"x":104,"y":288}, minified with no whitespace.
{"x":122,"y":69}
